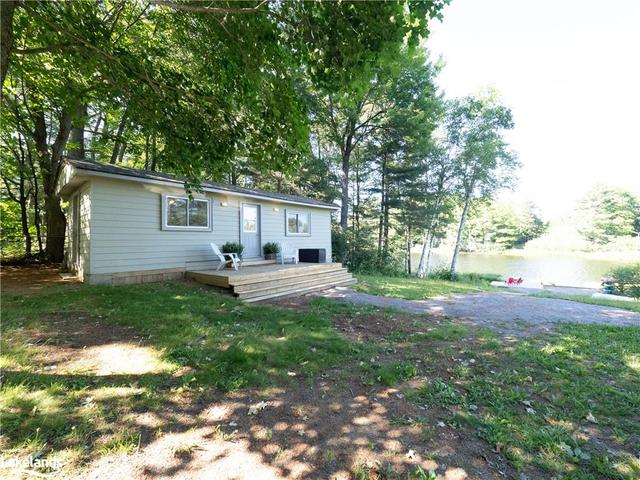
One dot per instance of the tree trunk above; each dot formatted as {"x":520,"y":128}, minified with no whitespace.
{"x":24,"y":218}
{"x":383,"y":200}
{"x":146,"y":152}
{"x":456,"y":250}
{"x":344,"y":184}
{"x":423,"y":265}
{"x":119,"y":144}
{"x":356,"y":206}
{"x":36,"y":200}
{"x":50,"y":165}
{"x":429,"y":251}
{"x":76,"y":138}
{"x":7,"y":9}
{"x":153,"y":153}
{"x":408,"y":245}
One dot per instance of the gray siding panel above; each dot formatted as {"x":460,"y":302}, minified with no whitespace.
{"x":126,"y":234}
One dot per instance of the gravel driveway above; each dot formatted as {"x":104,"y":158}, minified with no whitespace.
{"x":506,"y":312}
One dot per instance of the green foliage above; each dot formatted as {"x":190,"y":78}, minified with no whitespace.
{"x":606,"y":213}
{"x":469,"y":278}
{"x":501,"y":226}
{"x":625,"y":280}
{"x":271,"y":248}
{"x":180,"y":88}
{"x":233,"y":247}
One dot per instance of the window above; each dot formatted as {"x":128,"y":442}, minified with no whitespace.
{"x":249,"y":218}
{"x":182,"y":213}
{"x":298,"y":223}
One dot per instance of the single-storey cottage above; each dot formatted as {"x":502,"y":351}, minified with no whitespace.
{"x":127,"y":225}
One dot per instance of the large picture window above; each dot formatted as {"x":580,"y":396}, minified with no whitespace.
{"x":183,"y":213}
{"x":298,"y":223}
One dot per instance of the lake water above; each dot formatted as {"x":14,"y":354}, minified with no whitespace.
{"x":569,"y":270}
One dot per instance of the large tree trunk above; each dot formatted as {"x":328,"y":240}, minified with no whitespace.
{"x":50,"y":166}
{"x":456,"y":250}
{"x":7,"y":9}
{"x":36,"y":199}
{"x":344,"y":186}
{"x":76,"y":138}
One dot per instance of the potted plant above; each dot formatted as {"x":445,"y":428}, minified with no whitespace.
{"x":233,"y":247}
{"x":271,"y":250}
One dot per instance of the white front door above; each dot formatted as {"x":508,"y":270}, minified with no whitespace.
{"x":250,"y":230}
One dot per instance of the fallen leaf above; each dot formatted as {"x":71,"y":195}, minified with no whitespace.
{"x":258,"y":407}
{"x":591,"y":418}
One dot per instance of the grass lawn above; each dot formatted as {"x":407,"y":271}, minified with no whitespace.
{"x":413,"y":288}
{"x":631,"y":306}
{"x":194,"y":339}
{"x":379,"y":394}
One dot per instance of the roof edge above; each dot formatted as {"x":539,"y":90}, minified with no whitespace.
{"x":144,"y":176}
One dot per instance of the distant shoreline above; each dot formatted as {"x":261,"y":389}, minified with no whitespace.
{"x":627,"y":256}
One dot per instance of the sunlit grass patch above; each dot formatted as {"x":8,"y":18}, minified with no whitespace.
{"x":124,"y":441}
{"x":633,"y":306}
{"x":412,"y":288}
{"x":389,"y":374}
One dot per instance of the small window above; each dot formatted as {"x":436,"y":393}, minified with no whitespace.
{"x":177,"y":212}
{"x":184,"y":213}
{"x":298,"y":223}
{"x":249,"y":218}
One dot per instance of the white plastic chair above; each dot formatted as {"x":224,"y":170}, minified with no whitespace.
{"x":287,"y":251}
{"x":224,"y":261}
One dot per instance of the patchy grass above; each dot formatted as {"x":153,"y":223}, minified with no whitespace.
{"x":565,"y":404}
{"x":631,"y":306}
{"x":562,"y":405}
{"x":413,"y":288}
{"x":194,"y":341}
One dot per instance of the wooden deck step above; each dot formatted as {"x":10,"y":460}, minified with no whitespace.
{"x":248,"y":277}
{"x":301,"y":291}
{"x":294,"y":280}
{"x":313,"y":281}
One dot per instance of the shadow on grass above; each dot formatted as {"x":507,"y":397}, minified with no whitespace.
{"x":332,"y":410}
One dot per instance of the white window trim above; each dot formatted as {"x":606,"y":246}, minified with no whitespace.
{"x":288,"y":212}
{"x":209,"y":226}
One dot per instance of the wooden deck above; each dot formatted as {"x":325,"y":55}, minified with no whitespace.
{"x":262,"y":282}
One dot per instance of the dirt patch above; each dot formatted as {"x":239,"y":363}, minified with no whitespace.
{"x":30,"y":278}
{"x":328,"y":428}
{"x":77,"y":342}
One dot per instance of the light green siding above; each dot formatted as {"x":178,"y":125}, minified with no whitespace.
{"x":126,"y":233}
{"x":80,"y":262}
